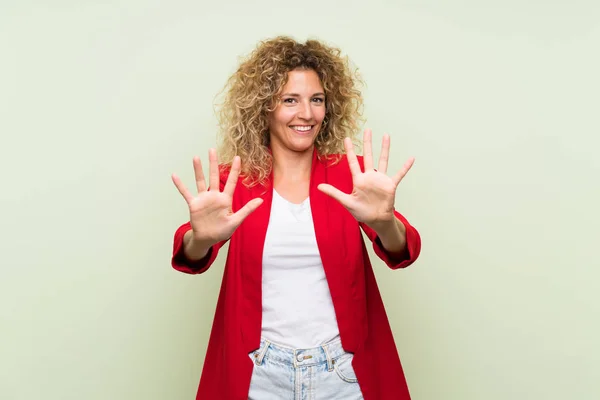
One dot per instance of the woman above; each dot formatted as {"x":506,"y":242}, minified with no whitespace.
{"x":299,"y":314}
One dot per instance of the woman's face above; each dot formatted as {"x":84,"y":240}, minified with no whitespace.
{"x":295,"y":123}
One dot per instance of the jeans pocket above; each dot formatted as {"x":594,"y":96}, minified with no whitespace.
{"x":343,"y":368}
{"x":254,"y":355}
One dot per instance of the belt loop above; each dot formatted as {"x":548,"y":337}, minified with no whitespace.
{"x":261,"y":354}
{"x":295,"y":358}
{"x":329,"y":362}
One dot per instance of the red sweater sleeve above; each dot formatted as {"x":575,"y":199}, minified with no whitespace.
{"x":413,"y":245}
{"x":180,"y":262}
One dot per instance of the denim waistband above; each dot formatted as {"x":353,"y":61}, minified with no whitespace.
{"x":325,"y":354}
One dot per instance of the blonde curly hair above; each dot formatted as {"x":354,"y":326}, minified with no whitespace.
{"x":253,"y":91}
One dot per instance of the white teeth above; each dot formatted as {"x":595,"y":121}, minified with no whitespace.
{"x":302,"y":128}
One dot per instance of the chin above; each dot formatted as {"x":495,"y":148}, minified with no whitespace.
{"x":301,"y":146}
{"x":293,"y":142}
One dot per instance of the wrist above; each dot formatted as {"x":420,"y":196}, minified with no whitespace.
{"x":386,"y":228}
{"x":392,"y":236}
{"x":195,"y":248}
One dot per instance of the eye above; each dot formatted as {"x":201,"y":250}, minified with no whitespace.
{"x":319,"y":100}
{"x":289,"y":100}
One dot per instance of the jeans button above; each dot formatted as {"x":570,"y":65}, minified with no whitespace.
{"x":300,"y":357}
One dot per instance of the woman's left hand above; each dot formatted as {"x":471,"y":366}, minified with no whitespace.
{"x":373,"y":193}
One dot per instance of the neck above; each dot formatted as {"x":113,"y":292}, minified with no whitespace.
{"x":290,"y":166}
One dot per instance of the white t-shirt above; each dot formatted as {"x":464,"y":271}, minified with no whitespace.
{"x":297,"y":307}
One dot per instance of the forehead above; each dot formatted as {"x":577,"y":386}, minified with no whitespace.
{"x":303,"y":80}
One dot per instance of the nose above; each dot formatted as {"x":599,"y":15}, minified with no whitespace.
{"x":305,"y":112}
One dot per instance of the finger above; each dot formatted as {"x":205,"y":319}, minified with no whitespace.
{"x":199,"y":174}
{"x":400,"y":175}
{"x":335,"y":193}
{"x":214,"y":170}
{"x":352,"y":160}
{"x":368,"y":150}
{"x":232,"y":179}
{"x":182,"y":189}
{"x":248,"y":209}
{"x":385,"y":154}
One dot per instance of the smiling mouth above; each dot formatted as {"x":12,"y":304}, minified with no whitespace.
{"x":302,"y":128}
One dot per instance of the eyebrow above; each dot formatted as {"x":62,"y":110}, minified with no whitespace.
{"x":297,"y":95}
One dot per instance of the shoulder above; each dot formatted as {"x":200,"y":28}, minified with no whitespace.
{"x":242,"y":187}
{"x":224,"y":170}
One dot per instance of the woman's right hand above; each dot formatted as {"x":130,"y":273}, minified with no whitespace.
{"x":211,"y":214}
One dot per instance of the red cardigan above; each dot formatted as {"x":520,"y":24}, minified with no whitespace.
{"x":362,"y":320}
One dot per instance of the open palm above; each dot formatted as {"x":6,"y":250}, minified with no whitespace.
{"x":374,"y":192}
{"x":211,"y":214}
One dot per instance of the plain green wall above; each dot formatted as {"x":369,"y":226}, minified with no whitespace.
{"x":498,"y":101}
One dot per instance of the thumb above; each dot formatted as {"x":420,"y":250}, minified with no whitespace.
{"x":248,"y":209}
{"x":335,"y":193}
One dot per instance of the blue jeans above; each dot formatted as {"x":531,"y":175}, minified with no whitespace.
{"x":285,"y":373}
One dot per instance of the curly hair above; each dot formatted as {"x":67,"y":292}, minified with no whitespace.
{"x":253,"y":91}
